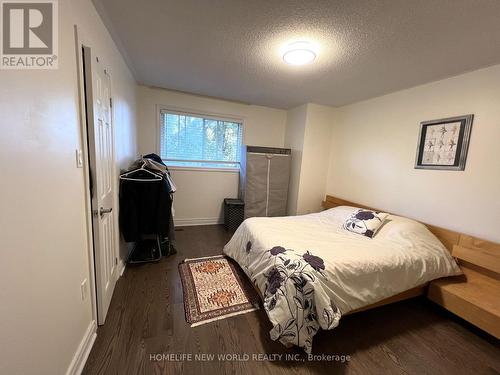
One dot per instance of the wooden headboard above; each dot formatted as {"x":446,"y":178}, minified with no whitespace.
{"x":447,"y":237}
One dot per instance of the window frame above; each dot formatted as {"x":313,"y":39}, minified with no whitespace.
{"x":196,"y":113}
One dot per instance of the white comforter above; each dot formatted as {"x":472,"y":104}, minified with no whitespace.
{"x":311,"y":271}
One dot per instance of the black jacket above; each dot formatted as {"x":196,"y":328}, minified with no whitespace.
{"x":145,"y":208}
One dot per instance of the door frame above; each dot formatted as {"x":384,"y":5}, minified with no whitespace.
{"x":79,"y":44}
{"x":82,"y":42}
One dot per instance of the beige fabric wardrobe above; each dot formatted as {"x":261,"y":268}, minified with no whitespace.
{"x":264,"y":177}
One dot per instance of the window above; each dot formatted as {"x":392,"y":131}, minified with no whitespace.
{"x":199,"y":141}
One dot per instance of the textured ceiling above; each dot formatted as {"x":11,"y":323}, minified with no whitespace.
{"x":230,"y":48}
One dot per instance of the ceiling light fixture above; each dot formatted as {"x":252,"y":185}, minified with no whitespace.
{"x":299,"y":53}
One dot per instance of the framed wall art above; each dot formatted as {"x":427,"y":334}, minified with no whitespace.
{"x":443,"y":144}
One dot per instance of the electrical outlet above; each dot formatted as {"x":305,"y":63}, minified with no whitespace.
{"x":84,"y":289}
{"x":79,"y":158}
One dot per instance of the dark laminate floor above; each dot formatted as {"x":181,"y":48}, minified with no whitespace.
{"x":147,"y":317}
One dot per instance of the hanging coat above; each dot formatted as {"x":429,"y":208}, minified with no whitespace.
{"x":145,"y":208}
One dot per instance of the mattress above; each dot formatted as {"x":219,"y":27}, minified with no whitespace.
{"x":310,"y":270}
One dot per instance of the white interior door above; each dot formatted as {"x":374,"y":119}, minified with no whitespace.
{"x":100,"y":142}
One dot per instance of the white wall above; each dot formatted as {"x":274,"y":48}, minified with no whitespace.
{"x":42,"y":218}
{"x":315,"y":158}
{"x":373,"y":154}
{"x":294,"y":139}
{"x":200,"y":194}
{"x":308,"y":134}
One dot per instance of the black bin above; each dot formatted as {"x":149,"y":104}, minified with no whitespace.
{"x":234,"y":210}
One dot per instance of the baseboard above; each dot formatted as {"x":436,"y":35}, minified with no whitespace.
{"x":123,"y":265}
{"x":198,"y":221}
{"x":82,"y":353}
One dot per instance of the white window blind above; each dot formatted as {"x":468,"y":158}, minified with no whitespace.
{"x":199,"y":141}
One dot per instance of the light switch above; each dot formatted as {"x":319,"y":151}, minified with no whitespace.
{"x":79,"y":158}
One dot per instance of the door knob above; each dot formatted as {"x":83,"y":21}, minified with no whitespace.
{"x":103,"y":210}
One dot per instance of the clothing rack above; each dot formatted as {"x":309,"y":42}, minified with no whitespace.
{"x":146,"y":193}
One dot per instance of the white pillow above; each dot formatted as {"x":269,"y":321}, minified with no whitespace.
{"x":365,"y":222}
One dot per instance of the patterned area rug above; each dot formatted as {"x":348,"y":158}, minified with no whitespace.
{"x":215,"y":288}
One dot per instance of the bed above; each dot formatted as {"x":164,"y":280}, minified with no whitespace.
{"x":310,"y":271}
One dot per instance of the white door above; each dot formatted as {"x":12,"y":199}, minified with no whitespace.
{"x":100,"y":142}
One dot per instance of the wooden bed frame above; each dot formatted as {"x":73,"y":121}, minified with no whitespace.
{"x":474,"y":296}
{"x":447,"y":237}
{"x":475,"y":255}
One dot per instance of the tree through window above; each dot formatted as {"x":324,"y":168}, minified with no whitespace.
{"x":199,"y":141}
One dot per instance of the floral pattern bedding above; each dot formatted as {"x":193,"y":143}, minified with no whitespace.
{"x":291,"y":287}
{"x":310,"y":270}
